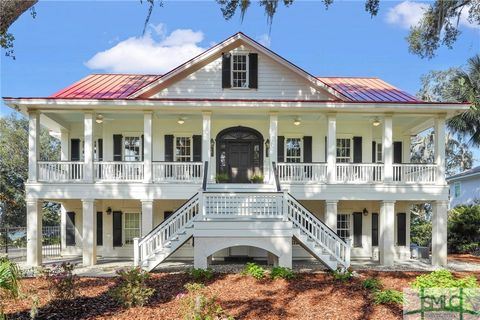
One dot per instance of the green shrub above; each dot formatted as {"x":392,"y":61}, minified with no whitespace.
{"x":389,"y":296}
{"x":256,"y":178}
{"x":372,"y":283}
{"x":443,"y":279}
{"x":9,"y":286}
{"x":62,"y":283}
{"x":197,"y":305}
{"x":342,"y":274}
{"x":282,"y":272}
{"x":131,"y":289}
{"x":464,"y":229}
{"x":222,"y":177}
{"x":201,"y":274}
{"x":254,"y":270}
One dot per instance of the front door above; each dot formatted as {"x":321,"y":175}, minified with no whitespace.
{"x":239,"y":159}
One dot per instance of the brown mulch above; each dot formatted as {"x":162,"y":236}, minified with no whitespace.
{"x":470,"y":258}
{"x":308,"y":296}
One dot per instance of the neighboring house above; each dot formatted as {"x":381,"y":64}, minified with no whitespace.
{"x":464,"y":188}
{"x":170,"y":158}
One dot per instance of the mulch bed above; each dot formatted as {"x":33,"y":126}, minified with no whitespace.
{"x":470,"y":258}
{"x":308,"y":296}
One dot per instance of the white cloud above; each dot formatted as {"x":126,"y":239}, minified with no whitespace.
{"x":264,"y":40}
{"x":408,"y":13}
{"x":155,"y":52}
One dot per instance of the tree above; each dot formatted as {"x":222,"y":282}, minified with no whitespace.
{"x":14,"y":166}
{"x":464,"y":229}
{"x":457,"y":85}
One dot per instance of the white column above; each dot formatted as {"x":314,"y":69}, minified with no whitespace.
{"x":331,"y":214}
{"x":388,"y":148}
{"x":147,"y":147}
{"x":273,"y":137}
{"x":64,"y":145}
{"x":147,"y":216}
{"x":89,"y":232}
{"x":33,"y":144}
{"x":34,"y":232}
{"x":439,"y":233}
{"x":63,"y":226}
{"x":88,"y":146}
{"x":440,"y":137}
{"x":331,"y":147}
{"x":206,"y":129}
{"x":387,"y":233}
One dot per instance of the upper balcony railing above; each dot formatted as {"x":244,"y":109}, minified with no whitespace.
{"x":192,"y":172}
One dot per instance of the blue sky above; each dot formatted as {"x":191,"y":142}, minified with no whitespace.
{"x":56,"y":48}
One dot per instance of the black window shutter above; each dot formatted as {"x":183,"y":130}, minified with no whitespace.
{"x":167,"y":214}
{"x":74,"y":149}
{"x":374,"y":229}
{"x":357,"y":229}
{"x":307,"y":149}
{"x":197,"y":148}
{"x":169,"y":147}
{"x":100,"y":150}
{"x":357,"y":149}
{"x":70,"y":229}
{"x":280,"y":149}
{"x":401,"y":229}
{"x":117,"y":228}
{"x":143,"y":148}
{"x":374,"y":152}
{"x":397,"y":152}
{"x":253,"y":70}
{"x":99,"y":228}
{"x":117,"y":147}
{"x":326,"y":150}
{"x":226,"y":68}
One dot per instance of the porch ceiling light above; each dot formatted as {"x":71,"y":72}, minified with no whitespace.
{"x":297,"y":121}
{"x":99,"y":118}
{"x":376,"y":122}
{"x":181,"y":121}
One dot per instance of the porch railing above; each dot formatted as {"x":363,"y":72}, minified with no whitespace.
{"x":359,"y":172}
{"x":245,"y":204}
{"x":60,"y":171}
{"x":190,"y":172}
{"x":414,"y":173}
{"x":302,"y":172}
{"x":118,"y":171}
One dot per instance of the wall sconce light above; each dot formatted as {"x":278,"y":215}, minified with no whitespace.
{"x":365,"y":212}
{"x":109,"y":210}
{"x":181,"y":121}
{"x":99,"y":118}
{"x":267,"y":147}
{"x":297,"y":121}
{"x":212,"y":147}
{"x":376,"y":122}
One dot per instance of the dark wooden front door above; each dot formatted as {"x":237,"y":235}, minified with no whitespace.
{"x":239,"y":159}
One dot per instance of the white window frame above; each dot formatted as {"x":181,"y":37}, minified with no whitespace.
{"x":247,"y":71}
{"x":344,"y":232}
{"x":350,"y":147}
{"x":138,"y":235}
{"x":300,"y":158}
{"x":132,"y":135}
{"x":378,"y":150}
{"x":175,"y":157}
{"x":455,"y":185}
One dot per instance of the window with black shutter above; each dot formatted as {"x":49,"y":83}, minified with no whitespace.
{"x":117,"y":147}
{"x":169,"y":147}
{"x":307,"y":149}
{"x":226,"y":70}
{"x":74,"y":149}
{"x":253,"y":71}
{"x":357,"y":149}
{"x":397,"y":152}
{"x":374,"y":152}
{"x":99,"y":228}
{"x":197,"y":148}
{"x":70,"y":229}
{"x":167,"y":214}
{"x":401,"y":229}
{"x":374,"y":229}
{"x":100,"y":149}
{"x":117,"y":228}
{"x":357,"y":229}
{"x":280,"y":149}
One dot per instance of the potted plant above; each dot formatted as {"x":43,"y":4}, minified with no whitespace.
{"x":222,"y":178}
{"x":256,"y":178}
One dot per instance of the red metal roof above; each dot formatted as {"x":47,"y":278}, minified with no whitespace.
{"x":105,"y":86}
{"x":367,"y":89}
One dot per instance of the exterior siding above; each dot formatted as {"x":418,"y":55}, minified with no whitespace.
{"x":469,"y":191}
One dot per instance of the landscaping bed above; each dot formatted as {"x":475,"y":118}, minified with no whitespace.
{"x":307,"y":296}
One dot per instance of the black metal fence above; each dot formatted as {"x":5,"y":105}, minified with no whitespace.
{"x":13,"y":242}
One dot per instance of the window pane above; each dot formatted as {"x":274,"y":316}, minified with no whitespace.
{"x":293,"y":150}
{"x":239,"y":71}
{"x":132,"y":227}
{"x":183,"y":149}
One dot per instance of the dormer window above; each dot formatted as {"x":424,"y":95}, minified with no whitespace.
{"x":239,"y":71}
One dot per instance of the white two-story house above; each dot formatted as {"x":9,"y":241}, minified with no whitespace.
{"x":237,"y":152}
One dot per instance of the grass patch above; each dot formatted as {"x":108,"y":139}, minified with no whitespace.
{"x":372,"y":283}
{"x":282,"y":273}
{"x":389,"y":296}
